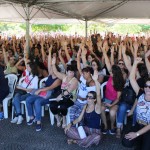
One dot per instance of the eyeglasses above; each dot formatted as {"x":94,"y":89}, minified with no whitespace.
{"x":90,"y":97}
{"x":147,"y":86}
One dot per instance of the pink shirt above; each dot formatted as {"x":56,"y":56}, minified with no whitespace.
{"x":110,"y":92}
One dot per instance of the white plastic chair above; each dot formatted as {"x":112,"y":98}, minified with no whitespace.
{"x":102,"y":92}
{"x":23,"y":104}
{"x":12,"y":81}
{"x":41,"y":86}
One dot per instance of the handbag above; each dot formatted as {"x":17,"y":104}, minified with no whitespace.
{"x":128,"y":96}
{"x":23,"y":92}
{"x":20,"y":91}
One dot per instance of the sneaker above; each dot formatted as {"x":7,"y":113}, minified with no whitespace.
{"x":14,"y":120}
{"x":104,"y":131}
{"x":112,"y":131}
{"x":31,"y":121}
{"x":38,"y":127}
{"x":20,"y":119}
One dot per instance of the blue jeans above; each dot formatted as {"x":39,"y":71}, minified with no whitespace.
{"x":122,"y":112}
{"x":16,"y":102}
{"x":37,"y":101}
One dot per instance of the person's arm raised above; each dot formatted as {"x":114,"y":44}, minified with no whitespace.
{"x":147,"y":62}
{"x":98,"y":97}
{"x":50,"y":59}
{"x":125,"y":58}
{"x":58,"y":74}
{"x":132,"y":77}
{"x":107,"y":62}
{"x":112,"y":56}
{"x":66,"y":50}
{"x":42,"y":49}
{"x":62,"y":60}
{"x":4,"y":53}
{"x":78,"y":62}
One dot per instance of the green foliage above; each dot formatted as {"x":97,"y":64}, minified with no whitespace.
{"x":145,"y":28}
{"x":79,"y":28}
{"x":46,"y":27}
{"x":125,"y":28}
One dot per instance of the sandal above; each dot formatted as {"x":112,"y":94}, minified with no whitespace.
{"x":118,"y":133}
{"x":63,"y":126}
{"x":59,"y":122}
{"x":71,"y":141}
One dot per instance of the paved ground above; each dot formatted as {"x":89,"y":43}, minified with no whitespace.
{"x":23,"y":137}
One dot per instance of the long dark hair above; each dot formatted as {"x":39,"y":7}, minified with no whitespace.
{"x":118,"y":79}
{"x":34,"y":69}
{"x":98,"y":64}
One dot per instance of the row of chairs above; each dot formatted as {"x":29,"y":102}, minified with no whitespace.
{"x":12,"y":81}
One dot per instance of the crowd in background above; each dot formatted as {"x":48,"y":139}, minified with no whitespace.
{"x":76,"y":68}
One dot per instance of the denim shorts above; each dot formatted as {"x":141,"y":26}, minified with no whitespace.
{"x":105,"y":100}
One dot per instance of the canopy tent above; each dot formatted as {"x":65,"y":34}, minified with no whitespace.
{"x":107,"y":11}
{"x":40,"y":10}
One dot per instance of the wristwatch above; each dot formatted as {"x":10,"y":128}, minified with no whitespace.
{"x":137,"y":134}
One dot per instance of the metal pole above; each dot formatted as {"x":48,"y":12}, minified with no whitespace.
{"x":86,"y":28}
{"x":27,"y":29}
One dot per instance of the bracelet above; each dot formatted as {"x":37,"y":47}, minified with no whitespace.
{"x":71,"y":123}
{"x":137,"y":134}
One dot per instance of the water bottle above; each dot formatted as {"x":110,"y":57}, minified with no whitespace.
{"x":81,"y":132}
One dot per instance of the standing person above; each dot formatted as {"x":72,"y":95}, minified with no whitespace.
{"x":30,"y":82}
{"x":91,"y":120}
{"x":140,"y":134}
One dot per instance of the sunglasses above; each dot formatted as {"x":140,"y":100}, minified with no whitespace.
{"x":90,"y":97}
{"x":147,"y":86}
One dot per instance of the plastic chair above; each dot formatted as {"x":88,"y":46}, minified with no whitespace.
{"x":41,"y":86}
{"x":23,"y":104}
{"x":12,"y":81}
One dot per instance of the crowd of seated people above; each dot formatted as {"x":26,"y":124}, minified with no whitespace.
{"x":75,"y":68}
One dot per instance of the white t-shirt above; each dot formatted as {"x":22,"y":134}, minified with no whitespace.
{"x":143,"y":110}
{"x":83,"y":89}
{"x":33,"y":84}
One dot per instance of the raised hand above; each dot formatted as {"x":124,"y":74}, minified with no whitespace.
{"x":53,"y":60}
{"x":95,"y":75}
{"x":135,"y":45}
{"x":147,"y":54}
{"x":137,"y":60}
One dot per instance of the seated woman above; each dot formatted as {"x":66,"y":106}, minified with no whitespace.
{"x":4,"y":88}
{"x":140,"y":134}
{"x":30,"y":82}
{"x":91,"y":120}
{"x":69,"y":87}
{"x":41,"y":96}
{"x":20,"y":65}
{"x":113,"y":90}
{"x":11,"y":68}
